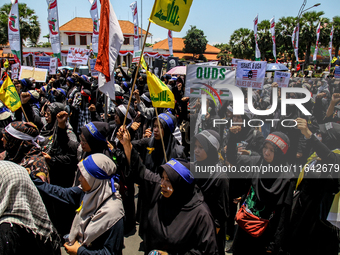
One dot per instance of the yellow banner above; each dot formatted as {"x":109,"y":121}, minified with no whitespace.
{"x":160,"y":94}
{"x":334,"y":59}
{"x":9,"y":95}
{"x":170,"y":14}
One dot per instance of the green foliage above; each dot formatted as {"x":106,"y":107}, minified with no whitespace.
{"x":336,"y":35}
{"x":242,"y":43}
{"x":195,"y":42}
{"x":29,"y":24}
{"x":148,"y":44}
{"x":225,"y":55}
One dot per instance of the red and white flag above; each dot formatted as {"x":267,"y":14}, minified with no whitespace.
{"x":170,"y":42}
{"x":95,"y":20}
{"x":317,"y":42}
{"x":257,"y":51}
{"x":110,"y":40}
{"x":133,"y":7}
{"x":272,"y":31}
{"x":331,"y":43}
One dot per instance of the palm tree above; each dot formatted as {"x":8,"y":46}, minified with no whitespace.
{"x":29,"y":24}
{"x":308,"y":26}
{"x":242,"y":43}
{"x":336,"y":35}
{"x":265,"y":40}
{"x":283,"y":31}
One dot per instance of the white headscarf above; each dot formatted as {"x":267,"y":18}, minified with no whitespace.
{"x":90,"y":222}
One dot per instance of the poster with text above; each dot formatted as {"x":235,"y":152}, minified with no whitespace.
{"x":282,"y":78}
{"x":15,"y":71}
{"x":251,"y":74}
{"x":78,"y":56}
{"x":53,"y":65}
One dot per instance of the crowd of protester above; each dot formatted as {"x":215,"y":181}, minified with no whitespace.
{"x":70,"y":170}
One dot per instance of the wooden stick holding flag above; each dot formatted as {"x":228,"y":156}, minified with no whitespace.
{"x":174,"y":10}
{"x":135,"y":78}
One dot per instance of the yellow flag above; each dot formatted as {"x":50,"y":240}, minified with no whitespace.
{"x":9,"y":95}
{"x":143,"y":63}
{"x":334,"y":59}
{"x":170,"y":14}
{"x":160,"y":94}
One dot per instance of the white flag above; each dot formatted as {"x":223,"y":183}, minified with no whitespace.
{"x":317,"y":42}
{"x":133,"y":7}
{"x":296,"y":48}
{"x":272,"y":31}
{"x":293,"y":37}
{"x":95,"y":20}
{"x":257,"y":51}
{"x":331,"y":44}
{"x":14,"y":30}
{"x":53,"y":25}
{"x":170,"y":43}
{"x":110,"y":40}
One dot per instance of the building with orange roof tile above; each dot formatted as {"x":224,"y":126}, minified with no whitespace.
{"x":178,"y":45}
{"x":78,"y":33}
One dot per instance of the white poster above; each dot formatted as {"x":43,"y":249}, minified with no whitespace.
{"x":53,"y":25}
{"x":95,"y":20}
{"x":38,"y":74}
{"x":282,"y":78}
{"x":14,"y":29}
{"x":209,"y":80}
{"x":15,"y":71}
{"x":78,"y":56}
{"x":53,"y":66}
{"x":251,"y":74}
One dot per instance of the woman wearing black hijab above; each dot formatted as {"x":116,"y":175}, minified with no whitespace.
{"x":60,"y":146}
{"x":316,"y":188}
{"x":178,"y":220}
{"x":214,"y":186}
{"x":151,"y":148}
{"x":270,"y":193}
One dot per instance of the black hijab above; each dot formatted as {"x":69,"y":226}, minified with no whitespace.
{"x":270,"y":189}
{"x":209,"y":139}
{"x":330,"y":133}
{"x":96,"y":141}
{"x":49,"y":128}
{"x":155,"y":156}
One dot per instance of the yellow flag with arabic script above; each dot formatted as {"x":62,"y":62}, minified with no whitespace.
{"x":334,"y":59}
{"x":9,"y":95}
{"x":170,"y":14}
{"x":160,"y":94}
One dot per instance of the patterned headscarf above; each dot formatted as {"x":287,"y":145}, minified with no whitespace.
{"x":21,"y":147}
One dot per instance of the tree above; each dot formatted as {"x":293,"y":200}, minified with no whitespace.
{"x":225,"y":55}
{"x":29,"y":24}
{"x":308,"y":26}
{"x":195,"y":42}
{"x":242,"y":43}
{"x":264,"y":40}
{"x":336,"y":35}
{"x":283,"y":31}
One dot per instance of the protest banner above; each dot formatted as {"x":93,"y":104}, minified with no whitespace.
{"x":15,"y":71}
{"x":136,"y":56}
{"x":53,"y":25}
{"x":172,"y":62}
{"x":38,"y":74}
{"x":42,"y":62}
{"x":204,"y":79}
{"x":337,"y":72}
{"x":94,"y":72}
{"x":78,"y":56}
{"x":53,"y":65}
{"x":282,"y":78}
{"x":251,"y":74}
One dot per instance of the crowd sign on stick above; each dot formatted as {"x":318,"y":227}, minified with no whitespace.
{"x":282,"y":79}
{"x":78,"y":56}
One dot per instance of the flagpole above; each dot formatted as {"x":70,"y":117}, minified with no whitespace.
{"x":134,"y":81}
{"x":24,"y":113}
{"x":160,"y":132}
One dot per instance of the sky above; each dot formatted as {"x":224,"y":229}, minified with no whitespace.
{"x":218,"y":19}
